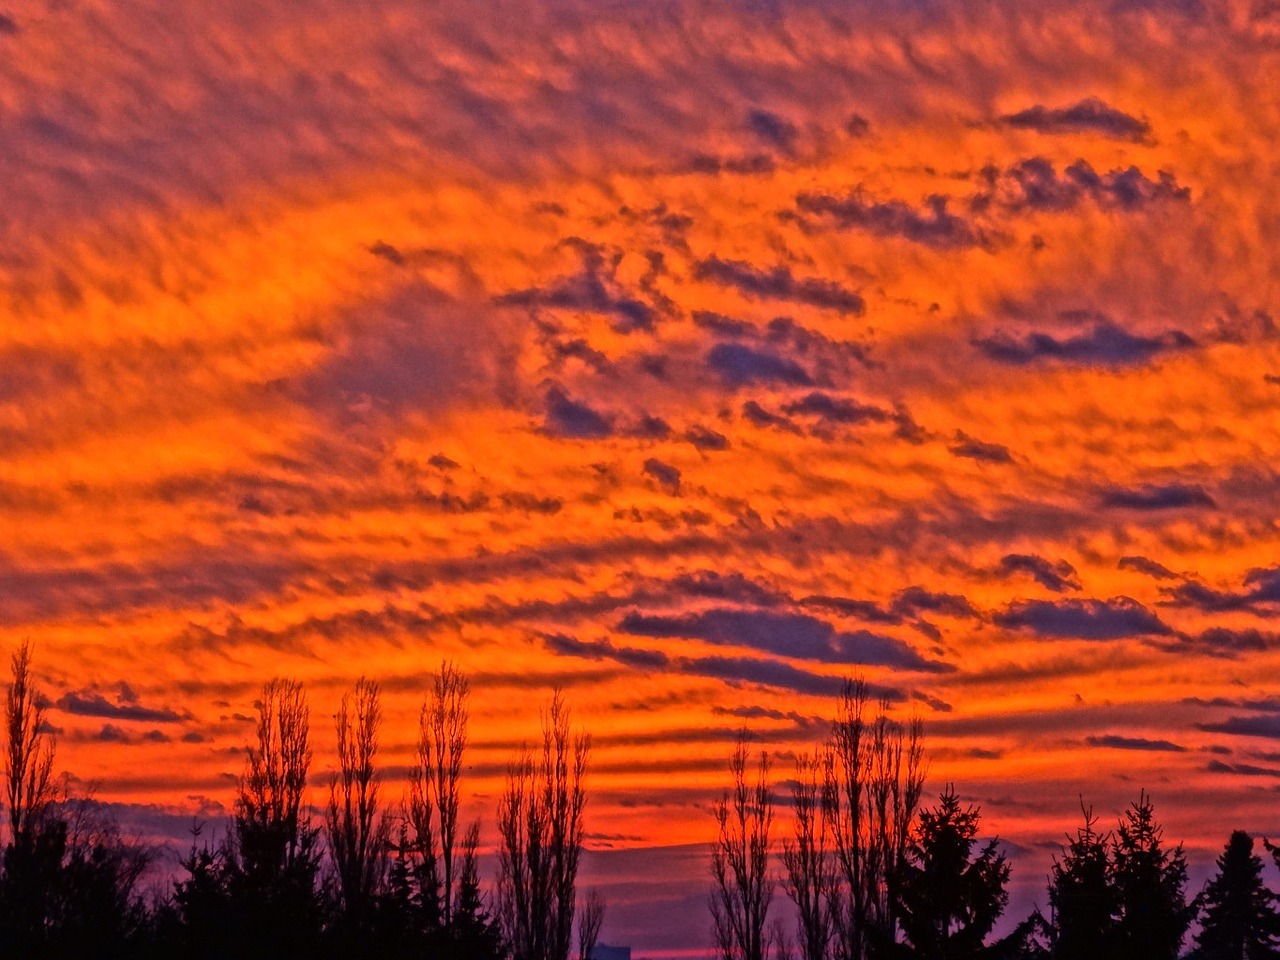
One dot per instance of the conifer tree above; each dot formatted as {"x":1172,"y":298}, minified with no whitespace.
{"x":1083,"y":899}
{"x":1239,"y":921}
{"x":1150,"y":885}
{"x":948,"y":898}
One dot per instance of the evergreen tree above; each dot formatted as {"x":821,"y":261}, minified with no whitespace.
{"x":948,"y":899}
{"x":1240,"y":921}
{"x":1150,"y":884}
{"x":1084,"y":902}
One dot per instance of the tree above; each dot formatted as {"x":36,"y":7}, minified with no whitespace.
{"x":540,"y":818}
{"x":1084,"y":902}
{"x":435,"y":793}
{"x":810,"y":880}
{"x":257,"y":895}
{"x":358,"y":831}
{"x":873,"y":788}
{"x":68,"y":877}
{"x":590,"y":921}
{"x":1150,"y":884}
{"x":949,"y":899}
{"x":743,"y":886}
{"x":28,"y":750}
{"x":1240,"y":920}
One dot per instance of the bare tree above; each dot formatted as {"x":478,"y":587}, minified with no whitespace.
{"x":740,"y":861}
{"x":434,"y":786}
{"x":807,"y":859}
{"x":28,"y":750}
{"x":358,"y":832}
{"x":540,"y":818}
{"x":589,"y":923}
{"x":271,"y":834}
{"x":872,"y":793}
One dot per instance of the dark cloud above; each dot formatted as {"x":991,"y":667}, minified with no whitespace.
{"x":1262,"y":586}
{"x":1036,"y":185}
{"x":785,"y":634}
{"x":778,"y":283}
{"x":595,"y":288}
{"x":567,"y":646}
{"x":1116,"y":742}
{"x":915,"y":600}
{"x":760,"y":417}
{"x":666,"y":476}
{"x":1228,"y":641}
{"x":723,"y":326}
{"x":1265,"y":726}
{"x":835,"y":410}
{"x":973,"y":449}
{"x":574,"y":419}
{"x":1105,"y":344}
{"x":773,"y":673}
{"x":387,"y":252}
{"x":1170,"y":496}
{"x":1090,"y":115}
{"x":1152,"y":569}
{"x":704,"y":438}
{"x":1241,"y":769}
{"x":1059,"y":577}
{"x":934,"y":226}
{"x":738,"y":365}
{"x":91,"y":703}
{"x":773,"y":130}
{"x":1083,"y":619}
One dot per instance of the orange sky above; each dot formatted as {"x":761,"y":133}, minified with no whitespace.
{"x":690,"y":356}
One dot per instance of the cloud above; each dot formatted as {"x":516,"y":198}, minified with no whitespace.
{"x":778,"y":283}
{"x":91,"y":703}
{"x":1035,"y":185}
{"x":835,"y":410}
{"x":1264,"y":726}
{"x":739,"y":365}
{"x":1157,"y":571}
{"x":1116,"y":742}
{"x":567,"y":646}
{"x":972,"y":449}
{"x":1059,"y":577}
{"x":915,"y":600}
{"x":1083,"y":619}
{"x":704,"y":438}
{"x":1090,"y":115}
{"x":1170,"y":496}
{"x":1104,"y":345}
{"x":786,"y":634}
{"x":666,"y":476}
{"x":1262,"y":587}
{"x":935,"y":226}
{"x":760,"y":417}
{"x":772,"y":130}
{"x":594,"y":289}
{"x":573,"y":419}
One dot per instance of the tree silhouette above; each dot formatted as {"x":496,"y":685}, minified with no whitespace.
{"x":67,"y":877}
{"x":256,"y":895}
{"x":358,"y":831}
{"x":1150,"y":884}
{"x":1084,"y":901}
{"x":1239,"y":921}
{"x":873,"y":790}
{"x":948,"y":898}
{"x":590,"y":920}
{"x":541,"y":826}
{"x":810,"y":879}
{"x":740,"y":861}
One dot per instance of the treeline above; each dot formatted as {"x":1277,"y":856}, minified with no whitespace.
{"x":873,"y":875}
{"x":370,"y":879}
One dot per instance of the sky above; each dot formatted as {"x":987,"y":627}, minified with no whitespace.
{"x":687,"y":356}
